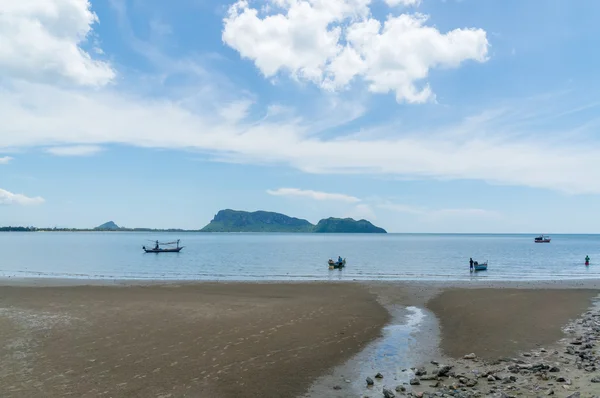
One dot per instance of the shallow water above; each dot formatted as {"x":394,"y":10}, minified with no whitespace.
{"x":297,"y":256}
{"x":407,"y":341}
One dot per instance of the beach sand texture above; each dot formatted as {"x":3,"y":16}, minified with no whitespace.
{"x":243,"y":340}
{"x":207,"y":340}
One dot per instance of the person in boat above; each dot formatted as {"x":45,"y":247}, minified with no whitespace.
{"x":156,"y":246}
{"x":471,"y":264}
{"x":340,"y":260}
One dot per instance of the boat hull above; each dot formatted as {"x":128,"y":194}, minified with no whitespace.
{"x":176,"y":250}
{"x":336,"y":265}
{"x":543,"y":241}
{"x":480,"y":267}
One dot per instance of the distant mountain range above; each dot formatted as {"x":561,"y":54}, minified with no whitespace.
{"x":242,"y":221}
{"x":264,"y":221}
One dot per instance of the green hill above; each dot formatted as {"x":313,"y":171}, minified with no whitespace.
{"x":264,"y":221}
{"x":347,"y":225}
{"x":258,"y":221}
{"x":107,"y":226}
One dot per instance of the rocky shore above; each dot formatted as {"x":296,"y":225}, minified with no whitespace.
{"x":569,"y":368}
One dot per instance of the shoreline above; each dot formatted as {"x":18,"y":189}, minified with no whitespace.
{"x":322,"y":338}
{"x":588,"y":283}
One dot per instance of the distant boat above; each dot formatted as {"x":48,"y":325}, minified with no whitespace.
{"x":158,"y":249}
{"x":542,"y":239}
{"x":336,"y":264}
{"x":480,"y":267}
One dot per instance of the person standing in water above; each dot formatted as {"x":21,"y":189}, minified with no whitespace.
{"x":471,"y":264}
{"x":587,"y":260}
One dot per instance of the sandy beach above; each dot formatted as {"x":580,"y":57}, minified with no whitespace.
{"x":253,"y":339}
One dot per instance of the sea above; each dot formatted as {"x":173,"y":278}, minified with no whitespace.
{"x":295,"y":257}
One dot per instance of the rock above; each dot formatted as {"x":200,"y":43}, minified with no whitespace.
{"x":554,"y":369}
{"x":436,"y":363}
{"x":561,"y":379}
{"x":370,"y":381}
{"x":428,"y":378}
{"x":470,"y":356}
{"x":337,"y":387}
{"x":415,"y":382}
{"x":400,"y":389}
{"x":575,"y":395}
{"x":526,"y":354}
{"x":388,"y":393}
{"x":550,"y":392}
{"x":379,"y":376}
{"x":420,"y":372}
{"x":444,"y":370}
{"x":419,"y":395}
{"x":435,"y":385}
{"x":596,"y":380}
{"x":471,"y":383}
{"x":491,"y":378}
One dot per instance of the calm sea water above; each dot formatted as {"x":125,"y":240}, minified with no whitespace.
{"x":296,"y":256}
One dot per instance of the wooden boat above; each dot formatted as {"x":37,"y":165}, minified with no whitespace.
{"x":480,"y":267}
{"x":336,"y":264}
{"x":158,"y":249}
{"x":542,"y":239}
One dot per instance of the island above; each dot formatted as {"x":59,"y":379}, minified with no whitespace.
{"x":264,"y":221}
{"x":238,"y":221}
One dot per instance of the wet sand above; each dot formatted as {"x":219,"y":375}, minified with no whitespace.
{"x":496,"y":323}
{"x":205,"y":340}
{"x":253,"y":339}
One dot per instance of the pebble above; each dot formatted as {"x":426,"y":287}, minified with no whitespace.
{"x":388,"y":393}
{"x":379,"y":376}
{"x":415,"y":382}
{"x":554,"y":369}
{"x":470,"y":356}
{"x":370,"y":381}
{"x":596,"y":380}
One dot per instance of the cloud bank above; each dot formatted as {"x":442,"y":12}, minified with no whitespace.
{"x":315,"y":195}
{"x":9,"y":198}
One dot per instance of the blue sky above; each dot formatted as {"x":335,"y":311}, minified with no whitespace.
{"x":421,"y":116}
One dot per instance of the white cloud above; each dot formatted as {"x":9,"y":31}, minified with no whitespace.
{"x":9,"y":198}
{"x":405,"y":3}
{"x":5,"y":159}
{"x":493,"y":147}
{"x":437,"y":213}
{"x":74,"y":150}
{"x":315,"y":195}
{"x":332,"y":42}
{"x":39,"y":115}
{"x":40,"y":40}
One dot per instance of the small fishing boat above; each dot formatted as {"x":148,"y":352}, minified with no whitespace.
{"x":336,"y":264}
{"x":542,"y":239}
{"x":480,"y":267}
{"x":158,"y":249}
